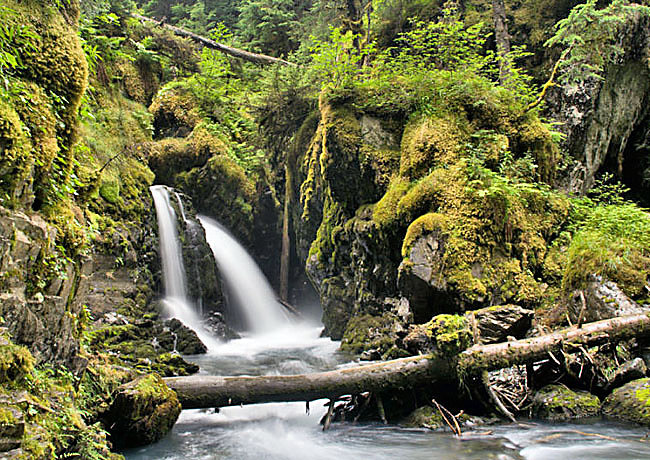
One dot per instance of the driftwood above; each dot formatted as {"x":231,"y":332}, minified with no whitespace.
{"x":255,"y":58}
{"x":211,"y":391}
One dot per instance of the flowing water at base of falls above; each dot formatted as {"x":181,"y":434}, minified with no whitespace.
{"x":284,"y":431}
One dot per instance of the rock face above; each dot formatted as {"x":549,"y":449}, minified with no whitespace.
{"x":143,"y":411}
{"x":631,"y":402}
{"x":37,"y":311}
{"x":557,"y":402}
{"x":606,"y":120}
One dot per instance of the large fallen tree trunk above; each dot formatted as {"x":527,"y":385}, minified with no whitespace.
{"x":235,"y":52}
{"x":210,"y":391}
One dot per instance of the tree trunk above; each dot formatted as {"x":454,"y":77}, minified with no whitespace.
{"x":285,"y":255}
{"x":255,"y":58}
{"x":501,"y":37}
{"x":210,"y":391}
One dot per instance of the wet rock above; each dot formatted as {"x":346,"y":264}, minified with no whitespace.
{"x":631,"y":370}
{"x":216,"y":324}
{"x":173,"y":364}
{"x":557,"y":402}
{"x":603,"y":299}
{"x":430,"y":417}
{"x":420,"y":281}
{"x":143,"y":411}
{"x":186,"y":340}
{"x":496,"y":324}
{"x":43,"y":324}
{"x":630,"y":403}
{"x":375,"y":337}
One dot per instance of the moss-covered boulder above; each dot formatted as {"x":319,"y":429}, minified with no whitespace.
{"x":557,"y":402}
{"x":631,"y":402}
{"x":375,"y":336}
{"x":143,"y":411}
{"x":445,"y":334}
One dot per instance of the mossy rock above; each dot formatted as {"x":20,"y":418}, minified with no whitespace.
{"x":15,"y":361}
{"x":430,"y":417}
{"x":376,"y":334}
{"x":631,"y":402}
{"x":143,"y":412}
{"x":557,"y":402}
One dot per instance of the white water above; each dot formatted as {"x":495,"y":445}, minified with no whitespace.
{"x":176,"y":303}
{"x":246,"y":283}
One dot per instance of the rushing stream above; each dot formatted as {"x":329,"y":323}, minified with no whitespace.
{"x":285,"y":431}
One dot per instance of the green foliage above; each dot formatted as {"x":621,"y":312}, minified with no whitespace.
{"x":590,"y":37}
{"x":266,"y":25}
{"x":16,"y":44}
{"x":611,"y":239}
{"x":336,"y":61}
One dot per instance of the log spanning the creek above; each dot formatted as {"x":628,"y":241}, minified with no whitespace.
{"x":255,"y":58}
{"x":211,"y":391}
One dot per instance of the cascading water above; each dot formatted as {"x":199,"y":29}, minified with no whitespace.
{"x":246,"y":283}
{"x":176,"y":303}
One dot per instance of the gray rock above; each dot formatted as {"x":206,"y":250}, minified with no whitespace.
{"x":631,"y":370}
{"x":496,"y":324}
{"x":603,"y":299}
{"x":12,"y":428}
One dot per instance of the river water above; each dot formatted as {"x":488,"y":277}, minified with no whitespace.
{"x":286,"y":431}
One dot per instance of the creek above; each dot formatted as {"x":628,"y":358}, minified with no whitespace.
{"x":277,"y":346}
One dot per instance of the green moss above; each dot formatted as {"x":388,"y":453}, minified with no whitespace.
{"x":427,"y":143}
{"x":385,"y":212}
{"x":631,"y":402}
{"x":15,"y":362}
{"x":612,"y":241}
{"x":371,"y":333}
{"x":110,"y":191}
{"x":451,"y":333}
{"x":431,"y":418}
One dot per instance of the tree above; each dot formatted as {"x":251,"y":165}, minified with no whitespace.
{"x":267,"y":25}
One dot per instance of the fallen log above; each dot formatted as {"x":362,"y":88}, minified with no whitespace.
{"x":208,"y":43}
{"x":212,"y":391}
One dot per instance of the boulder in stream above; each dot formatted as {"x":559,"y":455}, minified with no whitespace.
{"x":557,"y":402}
{"x":631,"y":402}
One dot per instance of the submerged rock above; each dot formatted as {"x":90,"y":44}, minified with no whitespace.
{"x":143,"y":411}
{"x":631,"y":402}
{"x":557,"y":402}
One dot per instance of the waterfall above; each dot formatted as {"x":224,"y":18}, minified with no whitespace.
{"x":246,"y":283}
{"x":176,"y":302}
